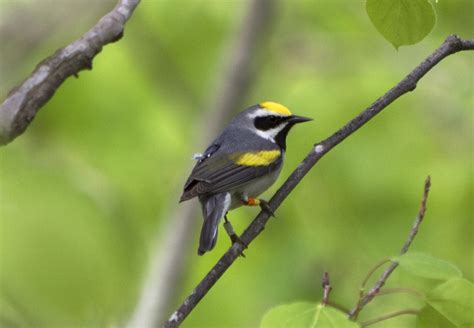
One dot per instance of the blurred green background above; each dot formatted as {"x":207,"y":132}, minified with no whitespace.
{"x":88,"y":187}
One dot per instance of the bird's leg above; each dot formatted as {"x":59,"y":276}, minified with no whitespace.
{"x":234,"y":238}
{"x":250,"y":201}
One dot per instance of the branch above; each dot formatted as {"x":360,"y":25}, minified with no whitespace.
{"x":383,"y":278}
{"x":24,"y":101}
{"x":450,"y":46}
{"x":370,"y":273}
{"x":164,"y":278}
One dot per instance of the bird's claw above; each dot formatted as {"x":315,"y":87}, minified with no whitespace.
{"x":265,"y":207}
{"x":236,"y":239}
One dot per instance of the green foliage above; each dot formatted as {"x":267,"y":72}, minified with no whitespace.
{"x":311,"y":315}
{"x":88,"y":189}
{"x":426,"y":266}
{"x":430,"y":318}
{"x":402,"y":22}
{"x":454,"y":299}
{"x":448,"y":304}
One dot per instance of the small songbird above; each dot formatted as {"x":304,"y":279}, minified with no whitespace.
{"x":239,"y":165}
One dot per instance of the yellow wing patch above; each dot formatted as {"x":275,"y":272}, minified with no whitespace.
{"x":276,"y":108}
{"x":259,"y":158}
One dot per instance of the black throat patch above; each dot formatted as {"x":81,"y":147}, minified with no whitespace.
{"x":280,"y":138}
{"x":265,"y":123}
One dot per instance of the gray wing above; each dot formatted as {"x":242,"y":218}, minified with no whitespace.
{"x":216,"y":172}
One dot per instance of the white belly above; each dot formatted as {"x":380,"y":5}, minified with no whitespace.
{"x":254,"y":188}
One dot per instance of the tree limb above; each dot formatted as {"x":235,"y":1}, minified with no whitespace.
{"x":393,"y":265}
{"x":164,"y":278}
{"x":24,"y":101}
{"x":451,"y":45}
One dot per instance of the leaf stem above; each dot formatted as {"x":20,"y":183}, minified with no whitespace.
{"x":411,"y":291}
{"x":389,"y":316}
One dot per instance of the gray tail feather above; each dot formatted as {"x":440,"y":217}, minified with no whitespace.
{"x":213,"y":210}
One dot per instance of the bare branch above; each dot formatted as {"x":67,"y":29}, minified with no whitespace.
{"x":168,"y":263}
{"x":24,"y":101}
{"x":419,"y":217}
{"x":370,"y":273}
{"x":383,"y":278}
{"x":451,"y":45}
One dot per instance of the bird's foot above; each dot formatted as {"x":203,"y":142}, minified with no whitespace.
{"x":265,"y":207}
{"x":234,"y":238}
{"x":250,"y":201}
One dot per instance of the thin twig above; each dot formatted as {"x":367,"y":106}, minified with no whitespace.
{"x":25,"y":100}
{"x":419,"y":217}
{"x":450,"y":46}
{"x":411,"y":291}
{"x":326,"y":288}
{"x":389,"y":316}
{"x":168,"y":264}
{"x":383,"y":278}
{"x":370,"y":273}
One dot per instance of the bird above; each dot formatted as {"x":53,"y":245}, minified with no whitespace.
{"x":238,"y":166}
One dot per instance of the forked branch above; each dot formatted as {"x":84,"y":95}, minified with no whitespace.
{"x":364,"y":299}
{"x":451,"y":45}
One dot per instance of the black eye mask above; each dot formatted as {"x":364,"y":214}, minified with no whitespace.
{"x":265,"y":123}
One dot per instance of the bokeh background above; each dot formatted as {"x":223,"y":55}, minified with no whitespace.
{"x":91,"y":184}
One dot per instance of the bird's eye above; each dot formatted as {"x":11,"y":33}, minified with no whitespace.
{"x":273,"y":119}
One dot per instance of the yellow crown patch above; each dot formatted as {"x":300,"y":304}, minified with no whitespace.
{"x":259,"y":158}
{"x":276,"y":108}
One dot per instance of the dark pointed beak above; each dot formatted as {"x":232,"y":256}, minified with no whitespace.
{"x":294,"y":119}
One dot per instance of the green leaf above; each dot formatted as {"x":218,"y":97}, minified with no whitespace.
{"x":401,"y":22}
{"x":430,"y":318}
{"x":290,"y":315}
{"x":426,"y":266}
{"x":454,"y":299}
{"x":302,"y":315}
{"x":329,"y":317}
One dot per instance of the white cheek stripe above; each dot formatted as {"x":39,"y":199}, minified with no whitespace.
{"x":270,"y":134}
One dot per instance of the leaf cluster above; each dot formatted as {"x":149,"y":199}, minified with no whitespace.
{"x":448,"y":304}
